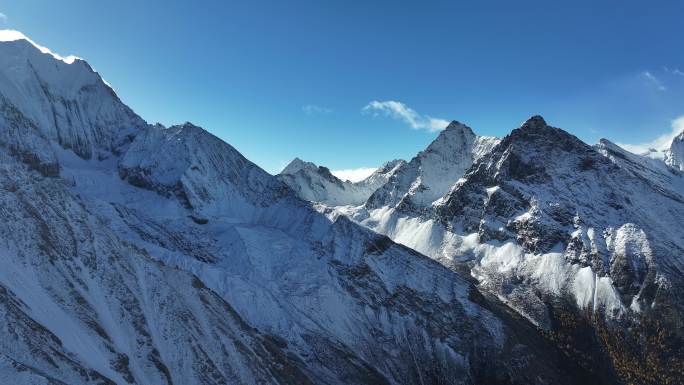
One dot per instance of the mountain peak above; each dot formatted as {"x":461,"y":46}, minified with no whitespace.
{"x":536,"y":136}
{"x":456,"y":125}
{"x":455,"y":134}
{"x":534,"y":122}
{"x":297,"y":164}
{"x":64,"y":98}
{"x":606,"y":143}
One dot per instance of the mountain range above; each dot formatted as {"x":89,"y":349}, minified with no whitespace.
{"x":141,"y":254}
{"x":585,"y":242}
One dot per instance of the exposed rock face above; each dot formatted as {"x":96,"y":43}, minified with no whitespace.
{"x":148,"y":255}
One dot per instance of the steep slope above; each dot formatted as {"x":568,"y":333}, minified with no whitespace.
{"x":668,"y":180}
{"x":178,"y":161}
{"x":431,"y":173}
{"x":81,"y":305}
{"x":60,"y":101}
{"x":318,"y":184}
{"x":151,"y":255}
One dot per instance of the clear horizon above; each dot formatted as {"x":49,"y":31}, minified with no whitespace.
{"x":349,"y":86}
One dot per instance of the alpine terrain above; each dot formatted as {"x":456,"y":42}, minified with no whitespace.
{"x":586,"y":242}
{"x":141,"y":254}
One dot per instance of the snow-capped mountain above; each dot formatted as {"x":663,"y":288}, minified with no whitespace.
{"x":670,"y":153}
{"x":546,"y":218}
{"x":318,"y":184}
{"x":431,"y":173}
{"x":674,"y":155}
{"x":559,"y":198}
{"x":62,"y":101}
{"x":139,"y":254}
{"x":566,"y":234}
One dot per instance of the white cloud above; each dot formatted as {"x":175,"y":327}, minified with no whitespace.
{"x":312,"y":109}
{"x":400,"y":111}
{"x":653,"y":81}
{"x":673,"y":71}
{"x":354,"y":174}
{"x":3,"y":18}
{"x":660,"y":143}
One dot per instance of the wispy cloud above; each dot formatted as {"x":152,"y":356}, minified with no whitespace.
{"x":653,"y":81}
{"x":354,"y":174}
{"x":3,"y":18}
{"x":312,"y":109}
{"x":674,"y":71}
{"x":400,"y":111}
{"x":660,"y":143}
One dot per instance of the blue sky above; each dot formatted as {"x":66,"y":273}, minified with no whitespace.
{"x":313,"y":78}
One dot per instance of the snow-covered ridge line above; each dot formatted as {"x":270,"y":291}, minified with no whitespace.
{"x":48,"y":98}
{"x":14,"y":35}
